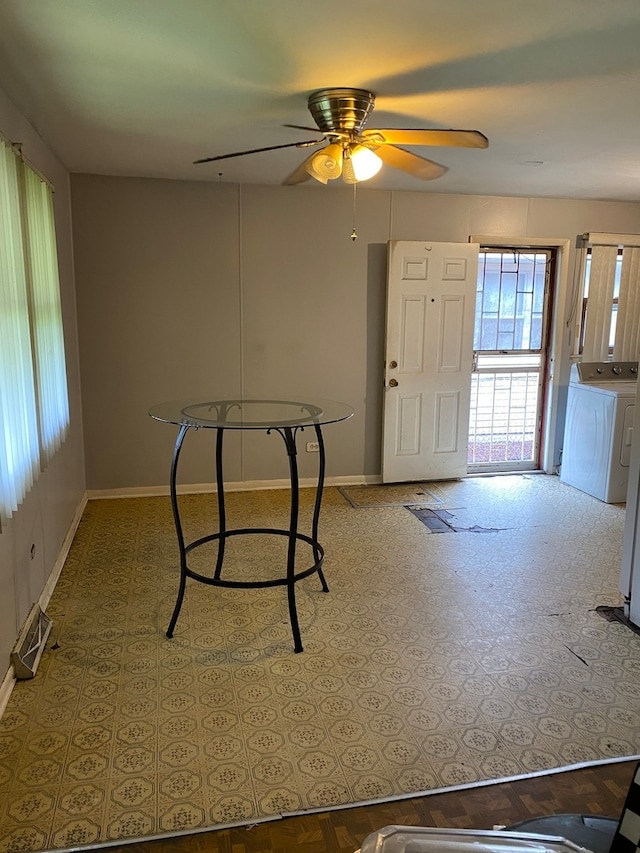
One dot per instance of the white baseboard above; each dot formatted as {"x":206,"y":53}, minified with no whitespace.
{"x":52,"y":580}
{"x":242,"y":486}
{"x":6,"y":687}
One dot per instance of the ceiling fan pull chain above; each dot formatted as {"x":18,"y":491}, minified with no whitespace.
{"x":354,"y":233}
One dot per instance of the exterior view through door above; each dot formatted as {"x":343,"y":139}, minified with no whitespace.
{"x":465,"y":359}
{"x":510,"y":359}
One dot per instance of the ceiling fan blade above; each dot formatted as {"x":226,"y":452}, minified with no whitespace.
{"x":305,"y":144}
{"x":417,"y":166}
{"x":417,"y":136}
{"x":299,"y":174}
{"x":327,"y":133}
{"x":302,"y":127}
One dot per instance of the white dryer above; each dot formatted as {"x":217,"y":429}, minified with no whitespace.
{"x":599,"y":429}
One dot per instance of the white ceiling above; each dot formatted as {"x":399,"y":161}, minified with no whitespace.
{"x":144,"y":87}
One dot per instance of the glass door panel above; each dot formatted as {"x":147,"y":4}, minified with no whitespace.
{"x":509,"y":360}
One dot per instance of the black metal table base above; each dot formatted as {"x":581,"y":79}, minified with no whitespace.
{"x":292,"y":534}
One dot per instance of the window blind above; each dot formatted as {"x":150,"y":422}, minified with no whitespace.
{"x":627,"y":340}
{"x":598,"y":318}
{"x":605,"y":250}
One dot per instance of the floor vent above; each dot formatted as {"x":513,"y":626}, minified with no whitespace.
{"x":29,"y":646}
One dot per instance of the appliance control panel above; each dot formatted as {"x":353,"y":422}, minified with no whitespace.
{"x":608,"y":371}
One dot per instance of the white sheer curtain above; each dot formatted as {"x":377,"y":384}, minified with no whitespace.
{"x":46,"y":314}
{"x":19,"y":446}
{"x":34,"y":407}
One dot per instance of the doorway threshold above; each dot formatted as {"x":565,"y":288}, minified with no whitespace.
{"x":470,"y":475}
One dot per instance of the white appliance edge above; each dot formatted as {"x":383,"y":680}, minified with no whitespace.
{"x":630,"y":572}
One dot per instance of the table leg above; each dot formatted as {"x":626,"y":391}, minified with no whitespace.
{"x":176,"y":518}
{"x":316,"y":509}
{"x":222,"y":518}
{"x":290,"y":441}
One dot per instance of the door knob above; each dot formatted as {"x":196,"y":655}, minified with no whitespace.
{"x":393,"y":383}
{"x":393,"y":364}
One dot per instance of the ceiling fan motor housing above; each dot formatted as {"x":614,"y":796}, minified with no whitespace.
{"x":345,"y":110}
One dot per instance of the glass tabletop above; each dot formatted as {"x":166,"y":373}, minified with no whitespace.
{"x":237,"y":413}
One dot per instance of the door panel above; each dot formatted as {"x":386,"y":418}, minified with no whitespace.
{"x":447,"y":418}
{"x":429,"y":340}
{"x":412,"y":335}
{"x":451,"y":342}
{"x":409,"y":420}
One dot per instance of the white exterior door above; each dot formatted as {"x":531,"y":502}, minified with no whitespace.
{"x":431,"y":292}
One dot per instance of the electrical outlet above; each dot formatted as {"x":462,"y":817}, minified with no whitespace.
{"x":313,"y":447}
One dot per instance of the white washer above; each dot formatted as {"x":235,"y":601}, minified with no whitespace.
{"x":599,"y":429}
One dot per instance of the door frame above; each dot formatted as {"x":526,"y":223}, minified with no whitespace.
{"x":560,"y":339}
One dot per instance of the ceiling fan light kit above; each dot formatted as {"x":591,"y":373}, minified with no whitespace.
{"x":353,"y":162}
{"x":348,"y":172}
{"x":326,"y":164}
{"x":366,"y":162}
{"x":355,"y":153}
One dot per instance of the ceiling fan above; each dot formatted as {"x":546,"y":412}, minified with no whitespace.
{"x":355,"y":152}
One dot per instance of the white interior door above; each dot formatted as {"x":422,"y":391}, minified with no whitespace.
{"x":431,"y":290}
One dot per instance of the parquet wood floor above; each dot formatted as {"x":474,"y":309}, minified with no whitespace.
{"x":598,"y":790}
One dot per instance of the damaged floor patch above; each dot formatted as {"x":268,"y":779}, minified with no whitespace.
{"x":441,"y":521}
{"x":616,"y":614}
{"x":436,"y":522}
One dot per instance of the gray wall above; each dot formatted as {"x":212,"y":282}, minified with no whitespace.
{"x":191,"y":288}
{"x":45,"y":516}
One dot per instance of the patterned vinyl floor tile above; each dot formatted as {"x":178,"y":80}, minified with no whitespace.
{"x":434,"y":661}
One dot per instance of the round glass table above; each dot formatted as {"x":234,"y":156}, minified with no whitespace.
{"x":287,"y":418}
